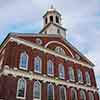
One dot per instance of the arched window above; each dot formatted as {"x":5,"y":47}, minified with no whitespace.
{"x":60,"y":50}
{"x":50,"y":68}
{"x":23,"y":60}
{"x":51,"y":18}
{"x":88,"y":81}
{"x":82,"y":95}
{"x":91,"y":97}
{"x":62,"y":91}
{"x":46,"y":20}
{"x":50,"y":92}
{"x":71,"y":74}
{"x":61,"y":71}
{"x":73,"y":94}
{"x":79,"y":74}
{"x":57,"y":19}
{"x":37,"y":90}
{"x":37,"y":64}
{"x":21,"y":88}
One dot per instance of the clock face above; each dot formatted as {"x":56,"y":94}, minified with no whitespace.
{"x":77,"y":56}
{"x":38,"y":41}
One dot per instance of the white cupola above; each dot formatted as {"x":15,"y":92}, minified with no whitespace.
{"x":52,"y":23}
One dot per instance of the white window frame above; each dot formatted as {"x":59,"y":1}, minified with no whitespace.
{"x":35,"y":59}
{"x":88,"y":79}
{"x":91,"y":96}
{"x":50,"y":61}
{"x":71,"y":71}
{"x":72,"y":89}
{"x":53,"y":90}
{"x":18,"y":89}
{"x":79,"y":72}
{"x":81,"y":91}
{"x":64,"y":92}
{"x":61,"y":66}
{"x":34,"y":90}
{"x":20,"y":63}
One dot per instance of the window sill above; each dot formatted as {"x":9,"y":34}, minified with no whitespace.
{"x":52,"y":75}
{"x":20,"y":97}
{"x":23,"y":68}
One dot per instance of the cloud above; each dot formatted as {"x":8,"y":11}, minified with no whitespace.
{"x":80,"y":17}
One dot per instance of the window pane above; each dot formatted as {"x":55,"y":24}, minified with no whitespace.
{"x":37,"y":90}
{"x":71,"y":73}
{"x":37,"y":63}
{"x":62,"y":93}
{"x":61,"y":71}
{"x":50,"y":67}
{"x":82,"y":95}
{"x":23,"y":60}
{"x":21,"y":88}
{"x":50,"y":92}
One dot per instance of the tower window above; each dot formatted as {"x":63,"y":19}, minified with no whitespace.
{"x":58,"y":30}
{"x":57,"y":19}
{"x":51,"y":18}
{"x":46,"y":20}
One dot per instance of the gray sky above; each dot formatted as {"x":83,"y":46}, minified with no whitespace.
{"x":80,"y":17}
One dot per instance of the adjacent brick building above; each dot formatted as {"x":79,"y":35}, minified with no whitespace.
{"x":45,"y":66}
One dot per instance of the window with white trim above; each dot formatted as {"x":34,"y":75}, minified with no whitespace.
{"x":37,"y":90}
{"x":61,"y":71}
{"x":50,"y":68}
{"x":37,"y":64}
{"x":71,"y":74}
{"x":73,"y":94}
{"x":82,"y":95}
{"x":79,"y":74}
{"x":60,"y":50}
{"x":50,"y":92}
{"x":62,"y":92}
{"x":88,"y":81}
{"x":91,"y":96}
{"x":21,"y":88}
{"x":23,"y":61}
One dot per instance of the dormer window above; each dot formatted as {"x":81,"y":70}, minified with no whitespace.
{"x":51,"y":18}
{"x":57,"y":19}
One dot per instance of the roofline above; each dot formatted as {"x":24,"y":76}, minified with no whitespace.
{"x":13,"y":34}
{"x":80,"y":53}
{"x":49,"y":25}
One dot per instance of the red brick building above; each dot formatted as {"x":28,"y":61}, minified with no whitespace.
{"x":45,"y":66}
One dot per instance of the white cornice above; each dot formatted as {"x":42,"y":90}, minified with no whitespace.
{"x":43,"y":78}
{"x":46,"y":50}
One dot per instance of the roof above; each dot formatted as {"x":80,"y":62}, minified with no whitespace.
{"x":54,"y":25}
{"x":43,"y":35}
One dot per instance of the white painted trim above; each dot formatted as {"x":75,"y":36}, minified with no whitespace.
{"x":24,"y":53}
{"x":64,"y":92}
{"x":48,"y":62}
{"x":27,"y":43}
{"x":73,"y":89}
{"x":35,"y":60}
{"x":53,"y":90}
{"x":29,"y":75}
{"x":34,"y":90}
{"x":18,"y":88}
{"x":82,"y":91}
{"x":61,"y":66}
{"x":60,"y":44}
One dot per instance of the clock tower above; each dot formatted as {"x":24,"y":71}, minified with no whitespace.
{"x":52,"y":23}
